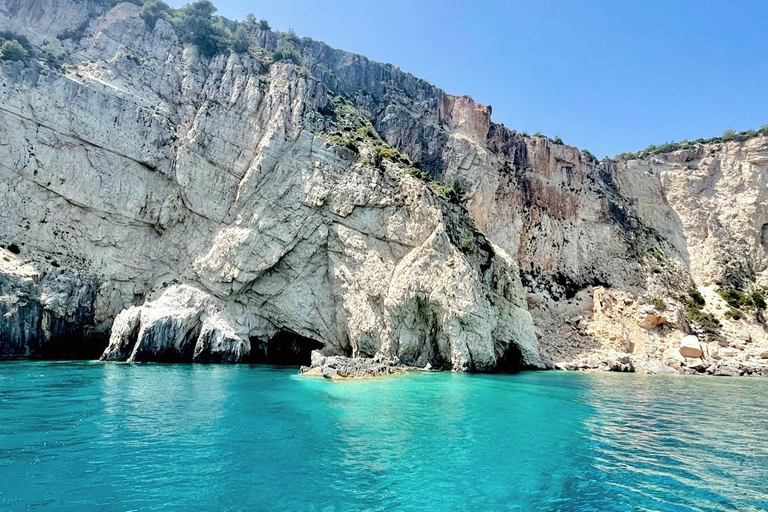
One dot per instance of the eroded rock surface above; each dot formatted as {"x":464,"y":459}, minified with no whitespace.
{"x":47,"y":314}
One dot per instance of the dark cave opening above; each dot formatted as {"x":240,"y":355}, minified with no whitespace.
{"x":285,"y":348}
{"x":511,"y":360}
{"x":83,"y":346}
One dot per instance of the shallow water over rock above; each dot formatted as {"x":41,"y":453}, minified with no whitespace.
{"x":91,"y":436}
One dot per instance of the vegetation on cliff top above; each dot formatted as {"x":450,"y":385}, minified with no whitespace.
{"x":728,"y":136}
{"x":198,"y":24}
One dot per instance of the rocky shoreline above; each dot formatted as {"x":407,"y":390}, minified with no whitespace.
{"x":346,"y":368}
{"x":343,"y":368}
{"x":690,"y":357}
{"x":697,"y":366}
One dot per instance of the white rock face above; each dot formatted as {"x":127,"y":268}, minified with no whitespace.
{"x":40,"y":311}
{"x":711,"y":202}
{"x":199,"y":198}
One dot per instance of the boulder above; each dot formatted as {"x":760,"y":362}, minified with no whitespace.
{"x":652,"y":321}
{"x":726,"y":371}
{"x":698,"y":365}
{"x":690,"y":347}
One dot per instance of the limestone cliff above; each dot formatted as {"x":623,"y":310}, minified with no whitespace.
{"x":214,"y":218}
{"x":235,"y":207}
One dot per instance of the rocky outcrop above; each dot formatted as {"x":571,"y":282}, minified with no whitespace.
{"x":42,"y":313}
{"x":233,"y":209}
{"x":341,"y":368}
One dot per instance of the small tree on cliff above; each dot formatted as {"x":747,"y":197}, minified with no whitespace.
{"x":240,"y":40}
{"x":153,"y":10}
{"x":196,"y":24}
{"x":13,"y":50}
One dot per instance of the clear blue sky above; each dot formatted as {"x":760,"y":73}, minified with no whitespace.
{"x":606,"y":75}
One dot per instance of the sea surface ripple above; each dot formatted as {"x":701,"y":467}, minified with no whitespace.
{"x":90,"y":436}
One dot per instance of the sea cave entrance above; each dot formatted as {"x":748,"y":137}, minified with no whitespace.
{"x":285,"y":348}
{"x":511,"y":361}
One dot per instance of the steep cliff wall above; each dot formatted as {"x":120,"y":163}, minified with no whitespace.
{"x":215,"y":205}
{"x":212,"y":215}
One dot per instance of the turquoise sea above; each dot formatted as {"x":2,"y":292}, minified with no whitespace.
{"x":90,"y":436}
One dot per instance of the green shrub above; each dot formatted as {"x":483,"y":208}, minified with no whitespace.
{"x":695,"y":314}
{"x":10,"y":36}
{"x":737,"y":299}
{"x":706,"y":321}
{"x":453,"y":193}
{"x":264,"y":25}
{"x":52,"y":61}
{"x":758,"y":299}
{"x":153,"y":10}
{"x":287,"y":52}
{"x":733,"y":314}
{"x":393,"y":155}
{"x":419,"y":173}
{"x":13,"y":50}
{"x":367,"y":132}
{"x":695,"y":298}
{"x":657,"y":303}
{"x":72,"y":33}
{"x":196,"y":24}
{"x":558,"y":140}
{"x":345,"y":142}
{"x":240,"y":40}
